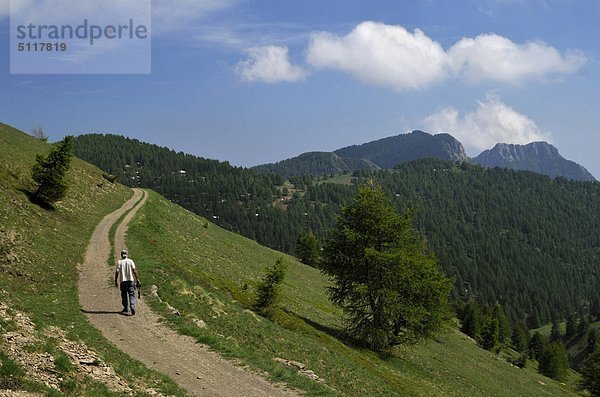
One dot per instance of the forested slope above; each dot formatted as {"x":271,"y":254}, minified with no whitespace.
{"x":255,"y":205}
{"x":521,"y":239}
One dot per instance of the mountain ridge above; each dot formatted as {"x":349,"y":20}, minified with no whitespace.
{"x":315,"y":163}
{"x":382,"y":153}
{"x":539,"y":156}
{"x":391,"y":151}
{"x":386,"y":153}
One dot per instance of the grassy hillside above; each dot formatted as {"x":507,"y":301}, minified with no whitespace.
{"x":209,"y":274}
{"x":39,"y":254}
{"x":515,"y":237}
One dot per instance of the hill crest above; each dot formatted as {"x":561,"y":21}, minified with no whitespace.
{"x":315,"y":163}
{"x":391,"y":151}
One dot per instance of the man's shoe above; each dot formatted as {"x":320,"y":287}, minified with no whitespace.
{"x":132,"y":311}
{"x":124,"y":310}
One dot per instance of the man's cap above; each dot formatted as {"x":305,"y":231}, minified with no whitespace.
{"x":123,"y":252}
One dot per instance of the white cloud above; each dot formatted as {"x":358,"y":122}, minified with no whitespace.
{"x":269,"y":64}
{"x":493,"y":57}
{"x":491,"y":122}
{"x":380,"y":54}
{"x":391,"y":56}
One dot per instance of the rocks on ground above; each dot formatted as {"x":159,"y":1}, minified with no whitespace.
{"x":22,"y":345}
{"x":301,"y":368}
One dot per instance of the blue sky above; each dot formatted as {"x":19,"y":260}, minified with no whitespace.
{"x":259,"y":81}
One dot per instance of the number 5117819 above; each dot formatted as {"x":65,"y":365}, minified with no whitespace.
{"x":41,"y":47}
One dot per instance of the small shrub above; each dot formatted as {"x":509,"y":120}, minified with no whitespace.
{"x":268,"y":289}
{"x":520,"y":361}
{"x":109,"y":177}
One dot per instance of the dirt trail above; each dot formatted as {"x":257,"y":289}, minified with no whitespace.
{"x":195,"y":368}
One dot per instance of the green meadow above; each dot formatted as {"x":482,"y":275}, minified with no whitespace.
{"x":40,"y":251}
{"x":210,"y":274}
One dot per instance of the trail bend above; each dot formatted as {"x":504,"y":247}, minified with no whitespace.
{"x":143,"y":337}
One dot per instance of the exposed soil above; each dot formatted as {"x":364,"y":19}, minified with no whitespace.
{"x":144,"y":337}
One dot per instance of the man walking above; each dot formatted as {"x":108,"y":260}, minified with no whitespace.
{"x":127,"y":276}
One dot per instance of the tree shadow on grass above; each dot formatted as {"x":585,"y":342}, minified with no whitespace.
{"x":342,"y":336}
{"x":33,"y":199}
{"x":335,"y":333}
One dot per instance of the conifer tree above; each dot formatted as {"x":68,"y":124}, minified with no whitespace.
{"x":571,"y":326}
{"x":503,"y":325}
{"x":555,"y":334}
{"x":519,"y":338}
{"x":554,"y":362}
{"x":490,"y":332}
{"x":471,"y":320}
{"x":590,"y":373}
{"x":267,"y":293}
{"x":49,"y":173}
{"x":537,"y":344}
{"x":592,"y":340}
{"x":307,"y":249}
{"x":388,"y":284}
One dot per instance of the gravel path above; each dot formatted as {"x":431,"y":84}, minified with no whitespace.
{"x":143,"y":337}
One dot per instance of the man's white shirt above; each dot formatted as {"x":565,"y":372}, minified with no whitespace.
{"x":125,"y":269}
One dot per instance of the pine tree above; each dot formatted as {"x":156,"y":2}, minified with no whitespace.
{"x":267,"y":293}
{"x":595,"y":309}
{"x":503,"y":325}
{"x":590,"y":373}
{"x":592,"y":340}
{"x":571,"y":326}
{"x":388,"y":284}
{"x":471,"y":320}
{"x":555,"y":335}
{"x":519,"y":338}
{"x":307,"y":249}
{"x":537,"y":343}
{"x":49,"y":173}
{"x":490,"y":332}
{"x":554,"y":362}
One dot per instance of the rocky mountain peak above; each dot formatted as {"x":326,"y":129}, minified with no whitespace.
{"x":540,"y":157}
